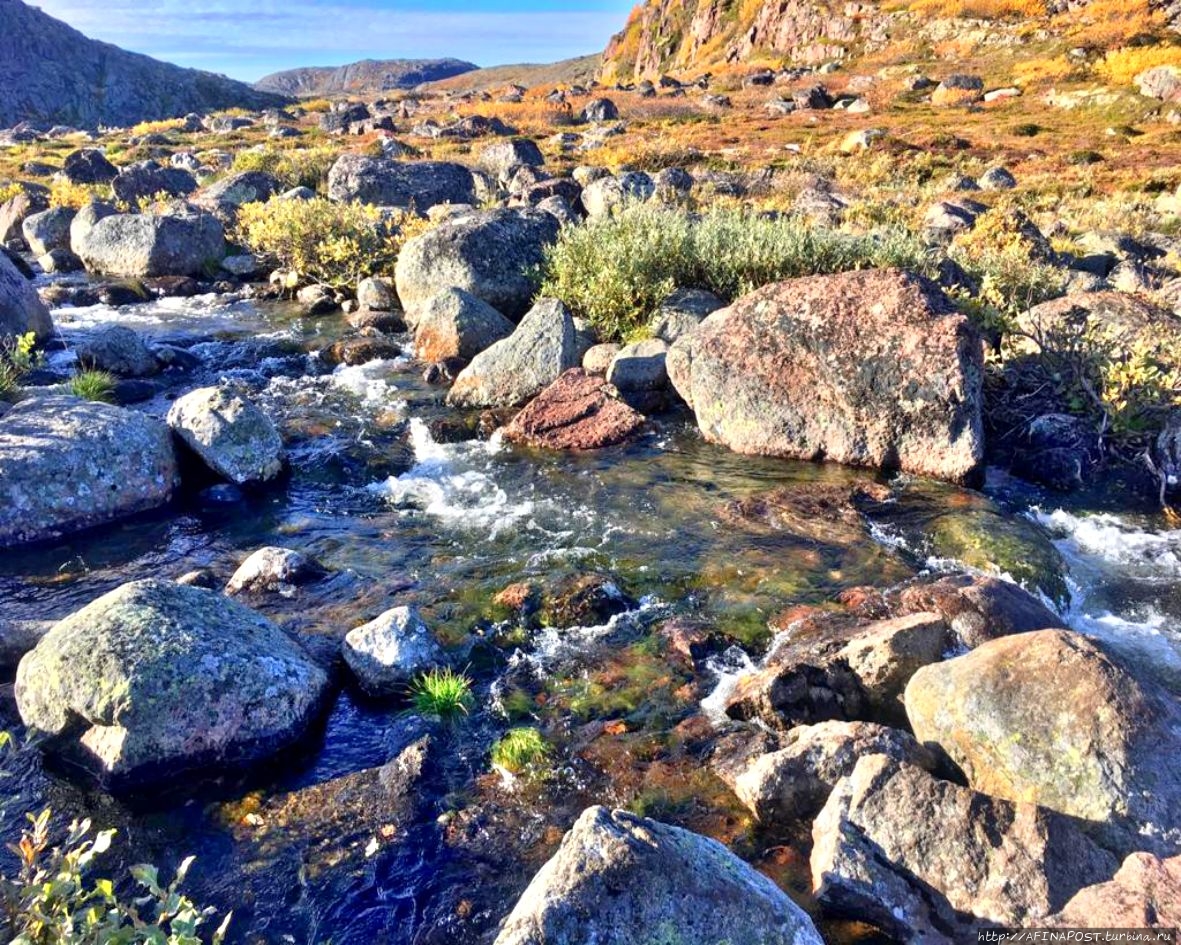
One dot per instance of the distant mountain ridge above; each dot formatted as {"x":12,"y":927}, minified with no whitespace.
{"x":368,"y":75}
{"x":50,"y":72}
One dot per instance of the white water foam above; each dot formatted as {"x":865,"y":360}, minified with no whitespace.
{"x":369,"y":381}
{"x":728,"y":667}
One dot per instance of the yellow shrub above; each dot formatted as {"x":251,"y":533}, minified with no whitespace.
{"x":8,"y":191}
{"x":1108,"y":23}
{"x":316,"y":105}
{"x":64,"y":193}
{"x":1121,"y":66}
{"x":157,"y":127}
{"x":335,"y":244}
{"x":294,"y":167}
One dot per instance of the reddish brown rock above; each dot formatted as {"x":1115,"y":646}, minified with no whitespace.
{"x":872,"y":368}
{"x":1144,"y":894}
{"x":576,"y":412}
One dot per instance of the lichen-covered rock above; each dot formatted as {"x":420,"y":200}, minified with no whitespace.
{"x":148,"y":181}
{"x":224,"y":197}
{"x":490,"y":254}
{"x":871,"y":368}
{"x":155,"y":679}
{"x":578,"y":411}
{"x":517,"y":368}
{"x":48,"y":230}
{"x":68,"y":464}
{"x":640,"y":366}
{"x":274,"y":571}
{"x":417,"y":185}
{"x":681,"y":312}
{"x":149,"y":244}
{"x":958,"y":90}
{"x":1047,"y":717}
{"x":386,"y":653}
{"x":1144,"y":894}
{"x":501,"y":158}
{"x":456,"y":324}
{"x":929,"y":861}
{"x":21,"y":309}
{"x":620,"y":879}
{"x":231,"y":435}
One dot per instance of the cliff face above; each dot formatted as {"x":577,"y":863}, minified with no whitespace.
{"x":50,"y":72}
{"x":368,"y":75}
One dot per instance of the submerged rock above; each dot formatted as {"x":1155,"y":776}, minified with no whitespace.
{"x":231,"y":435}
{"x":385,"y":654}
{"x":578,"y":411}
{"x":930,"y":861}
{"x":620,"y":879}
{"x":155,"y":679}
{"x":275,"y":570}
{"x":70,"y":464}
{"x":1047,"y":717}
{"x":870,"y":368}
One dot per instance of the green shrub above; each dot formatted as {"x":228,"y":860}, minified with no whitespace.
{"x":94,"y":385}
{"x":335,"y":244}
{"x":615,"y":270}
{"x":294,"y":167}
{"x":443,"y":693}
{"x":519,"y":750}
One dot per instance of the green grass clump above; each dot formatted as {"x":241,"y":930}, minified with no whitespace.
{"x":443,"y":693}
{"x":520,"y":750}
{"x":614,"y":271}
{"x":94,"y":385}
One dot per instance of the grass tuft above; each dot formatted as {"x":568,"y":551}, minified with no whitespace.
{"x":443,"y":693}
{"x":94,"y":385}
{"x":520,"y":749}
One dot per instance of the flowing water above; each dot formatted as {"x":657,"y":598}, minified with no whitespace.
{"x":388,"y":490}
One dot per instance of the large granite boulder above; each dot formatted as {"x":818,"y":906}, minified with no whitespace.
{"x":871,"y":368}
{"x":578,"y":411}
{"x":456,"y":324}
{"x":224,"y":197}
{"x":68,"y":464}
{"x":490,"y":254}
{"x":517,"y":368}
{"x":149,"y":244}
{"x":1144,"y":894}
{"x":48,"y":230}
{"x":155,"y":679}
{"x":21,"y":309}
{"x":1047,"y":717}
{"x":117,"y":349}
{"x":387,"y":653}
{"x":929,"y":861}
{"x":620,"y":879}
{"x":501,"y":158}
{"x":88,"y":166}
{"x":416,"y":185}
{"x":231,"y":435}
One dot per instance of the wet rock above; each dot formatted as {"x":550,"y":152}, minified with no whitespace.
{"x":275,"y":571}
{"x":958,"y":90}
{"x":354,"y":351}
{"x":683,"y":311}
{"x":242,"y":265}
{"x":387,"y":653}
{"x":578,"y":411}
{"x":585,"y":600}
{"x":417,"y":185}
{"x":620,"y":879}
{"x":1144,"y":894}
{"x":487,"y":253}
{"x":117,"y":349}
{"x":18,"y":637}
{"x":148,"y":182}
{"x":155,"y":679}
{"x":230,"y":434}
{"x":1058,"y":450}
{"x":48,"y":230}
{"x":598,"y":358}
{"x":1047,"y":717}
{"x":21,"y":309}
{"x":317,"y":300}
{"x":456,"y":324}
{"x":793,"y":782}
{"x":869,"y":368}
{"x":88,"y":166}
{"x":930,"y":861}
{"x":517,"y":368}
{"x":501,"y":158}
{"x":70,"y":464}
{"x":59,"y":260}
{"x":378,"y":294}
{"x":148,"y":244}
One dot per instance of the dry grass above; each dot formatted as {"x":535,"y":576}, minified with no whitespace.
{"x":979,"y":9}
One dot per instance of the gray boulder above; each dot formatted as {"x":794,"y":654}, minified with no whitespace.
{"x":501,"y":158}
{"x":118,"y":349}
{"x":148,"y":244}
{"x":386,"y":653}
{"x":620,"y":879}
{"x":514,"y":370}
{"x":15,"y":210}
{"x":640,"y":366}
{"x":487,"y":253}
{"x":417,"y":185}
{"x":611,"y":194}
{"x":378,"y":294}
{"x":21,"y":309}
{"x":228,"y":194}
{"x":88,"y":166}
{"x":456,"y":324}
{"x":48,"y":230}
{"x":85,"y":219}
{"x":155,"y":679}
{"x":274,"y":571}
{"x":231,"y":435}
{"x":599,"y":109}
{"x":70,"y":464}
{"x":147,"y":181}
{"x":681,"y":312}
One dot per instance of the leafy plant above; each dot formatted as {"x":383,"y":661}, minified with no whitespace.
{"x":65,"y":193}
{"x":294,"y":167}
{"x":443,"y":693}
{"x":17,"y":357}
{"x":521,"y":749}
{"x":93,"y":385}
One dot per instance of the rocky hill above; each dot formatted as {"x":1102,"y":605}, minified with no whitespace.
{"x":577,"y":71}
{"x":50,"y":72}
{"x":368,"y":75}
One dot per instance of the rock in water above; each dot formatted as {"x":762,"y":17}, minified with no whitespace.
{"x":386,"y":653}
{"x":68,"y":464}
{"x":1047,"y":717}
{"x":231,"y":435}
{"x":118,"y":349}
{"x":148,"y":244}
{"x":620,"y":879}
{"x":929,"y":861}
{"x":871,"y":368}
{"x":275,"y":570}
{"x":21,"y":309}
{"x":487,"y":253}
{"x":578,"y":411}
{"x":456,"y":324}
{"x":521,"y":366}
{"x":155,"y":679}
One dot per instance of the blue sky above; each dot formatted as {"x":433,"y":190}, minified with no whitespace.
{"x":247,"y":39}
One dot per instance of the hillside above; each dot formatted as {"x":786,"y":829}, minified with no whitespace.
{"x":50,"y":72}
{"x":368,"y":75}
{"x":576,"y":71}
